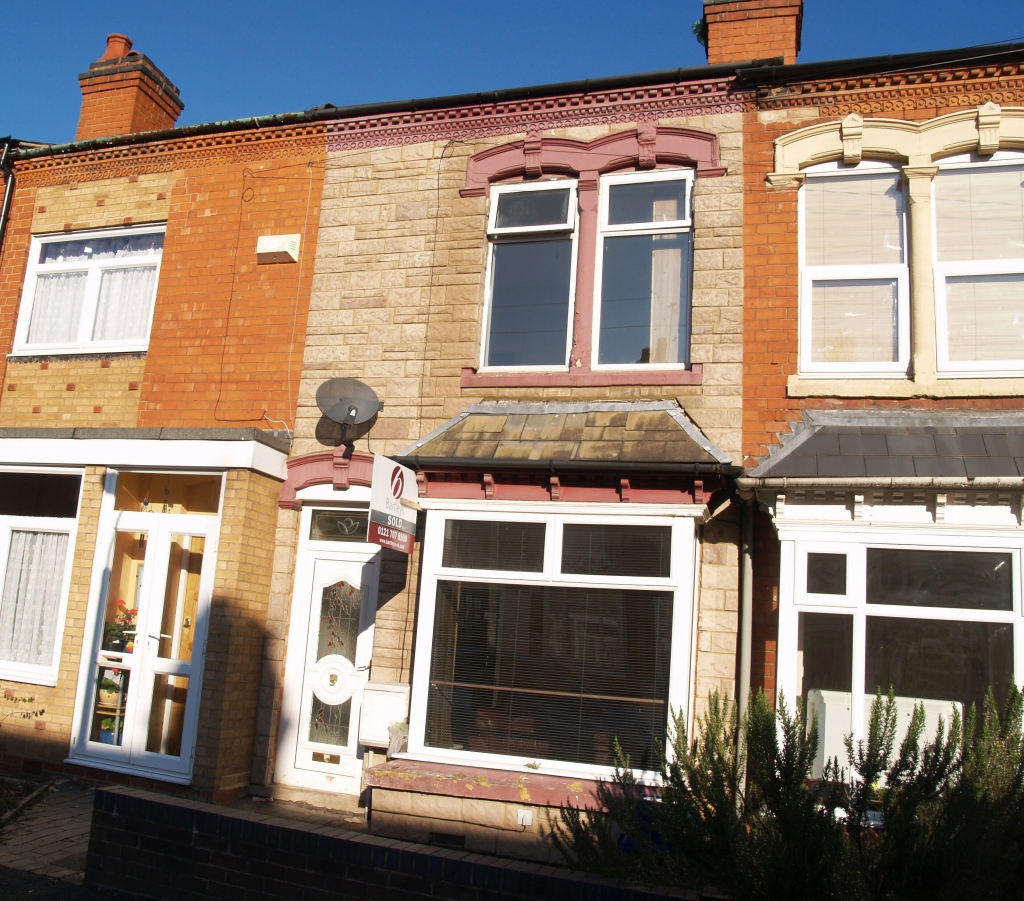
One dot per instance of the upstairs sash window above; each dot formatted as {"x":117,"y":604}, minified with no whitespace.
{"x":979,"y":268}
{"x":90,"y":292}
{"x":854,"y":302}
{"x":644,"y":266}
{"x":532,"y":265}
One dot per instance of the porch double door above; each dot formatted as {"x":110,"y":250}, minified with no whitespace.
{"x":142,"y":696}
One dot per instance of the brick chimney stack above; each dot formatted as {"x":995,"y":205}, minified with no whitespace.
{"x":123,"y":92}
{"x":741,"y":30}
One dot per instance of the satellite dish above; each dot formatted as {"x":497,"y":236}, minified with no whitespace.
{"x":348,"y":401}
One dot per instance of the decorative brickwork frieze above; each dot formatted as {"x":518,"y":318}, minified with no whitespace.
{"x":706,"y":97}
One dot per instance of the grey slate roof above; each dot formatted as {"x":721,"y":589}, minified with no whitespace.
{"x":865,"y":444}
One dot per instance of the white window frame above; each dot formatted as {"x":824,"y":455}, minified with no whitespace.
{"x":604,"y":230}
{"x":854,"y":542}
{"x":810,"y":274}
{"x":38,"y":674}
{"x":84,"y":343}
{"x":947,"y":368}
{"x":681,"y":581}
{"x":497,"y":235}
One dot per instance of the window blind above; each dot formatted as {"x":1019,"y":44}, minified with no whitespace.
{"x":979,"y":214}
{"x":854,"y":321}
{"x":550,"y":673}
{"x":509,"y":546}
{"x":608,"y":550}
{"x":853,"y":221}
{"x":985,"y":317}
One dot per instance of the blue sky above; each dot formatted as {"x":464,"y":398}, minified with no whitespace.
{"x":234,"y":59}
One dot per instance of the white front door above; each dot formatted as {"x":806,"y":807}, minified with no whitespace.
{"x":330,"y":643}
{"x":141,"y":699}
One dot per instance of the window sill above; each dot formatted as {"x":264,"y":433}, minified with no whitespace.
{"x":23,"y":675}
{"x":580,"y":377}
{"x":93,"y":350}
{"x":961,"y":386}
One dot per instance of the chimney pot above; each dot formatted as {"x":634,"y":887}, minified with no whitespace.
{"x":118,"y":46}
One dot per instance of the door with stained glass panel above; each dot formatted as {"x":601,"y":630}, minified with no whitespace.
{"x":338,"y":649}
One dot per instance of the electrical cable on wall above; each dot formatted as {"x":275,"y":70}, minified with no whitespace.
{"x":246,"y":195}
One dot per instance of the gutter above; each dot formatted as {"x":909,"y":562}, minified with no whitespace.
{"x":984,"y":55}
{"x":8,"y":171}
{"x":490,"y":464}
{"x":749,"y":483}
{"x":329,"y":112}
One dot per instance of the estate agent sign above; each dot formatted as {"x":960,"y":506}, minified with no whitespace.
{"x":393,"y":505}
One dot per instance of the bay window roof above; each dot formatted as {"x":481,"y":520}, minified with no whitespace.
{"x":583,"y":434}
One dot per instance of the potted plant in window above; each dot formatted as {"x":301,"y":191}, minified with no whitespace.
{"x":119,"y":634}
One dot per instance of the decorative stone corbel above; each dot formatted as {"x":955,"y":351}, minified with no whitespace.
{"x":556,"y":489}
{"x":940,"y":508}
{"x":624,"y":490}
{"x":488,"y":486}
{"x":852,"y":132}
{"x":780,"y":506}
{"x":785,"y":179}
{"x":989,"y":116}
{"x":646,"y":137}
{"x":858,"y":508}
{"x":531,"y":151}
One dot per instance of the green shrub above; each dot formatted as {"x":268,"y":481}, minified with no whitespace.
{"x":941,"y":819}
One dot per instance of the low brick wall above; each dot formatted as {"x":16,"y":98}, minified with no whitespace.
{"x":155,"y":846}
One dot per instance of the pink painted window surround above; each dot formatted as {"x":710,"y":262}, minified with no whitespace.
{"x":646,"y":148}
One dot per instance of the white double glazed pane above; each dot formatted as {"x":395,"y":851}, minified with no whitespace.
{"x":855,"y":320}
{"x":57,"y":307}
{"x":985,"y":317}
{"x":646,"y":262}
{"x":979,"y":213}
{"x":854,"y":221}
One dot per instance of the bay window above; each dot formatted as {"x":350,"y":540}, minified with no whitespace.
{"x":979,"y":266}
{"x":549,"y":637}
{"x":933,"y":622}
{"x":90,"y":291}
{"x":38,"y":513}
{"x":854,"y":285}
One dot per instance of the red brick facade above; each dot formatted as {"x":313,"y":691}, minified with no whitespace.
{"x":741,"y":30}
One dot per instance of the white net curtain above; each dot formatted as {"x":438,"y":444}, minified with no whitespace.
{"x":31,"y":596}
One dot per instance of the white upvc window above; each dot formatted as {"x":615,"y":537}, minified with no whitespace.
{"x":854,"y":278}
{"x":90,"y":292}
{"x":544,"y":637}
{"x":531,"y":276}
{"x":935,"y":616}
{"x":643,"y":270}
{"x":979,"y":266}
{"x":38,"y":521}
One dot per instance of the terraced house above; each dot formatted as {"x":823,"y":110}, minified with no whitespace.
{"x":708,"y":379}
{"x":883,"y":363}
{"x":149,"y":349}
{"x":544,"y":288}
